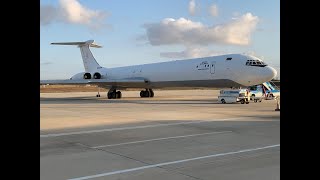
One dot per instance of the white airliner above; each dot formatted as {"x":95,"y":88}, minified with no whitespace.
{"x":231,"y":70}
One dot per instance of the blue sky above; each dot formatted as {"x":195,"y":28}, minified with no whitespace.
{"x":148,"y":31}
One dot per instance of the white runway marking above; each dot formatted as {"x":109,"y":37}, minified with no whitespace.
{"x":173,"y":162}
{"x":159,"y":139}
{"x":126,"y":128}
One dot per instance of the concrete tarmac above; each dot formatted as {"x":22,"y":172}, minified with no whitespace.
{"x":178,"y":134}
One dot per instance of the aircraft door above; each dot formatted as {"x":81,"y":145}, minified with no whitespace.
{"x":212,"y":67}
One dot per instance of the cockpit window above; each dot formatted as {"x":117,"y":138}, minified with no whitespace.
{"x":229,"y":58}
{"x":255,"y":63}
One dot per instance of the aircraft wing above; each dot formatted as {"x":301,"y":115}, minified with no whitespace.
{"x":126,"y":82}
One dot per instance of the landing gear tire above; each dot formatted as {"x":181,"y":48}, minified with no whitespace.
{"x":223,"y":101}
{"x":147,"y":93}
{"x":98,"y":95}
{"x":111,"y":95}
{"x":151,"y":93}
{"x":118,"y":94}
{"x":144,"y":94}
{"x":114,"y":94}
{"x":141,"y":93}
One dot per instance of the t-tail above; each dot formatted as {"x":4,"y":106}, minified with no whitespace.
{"x":89,"y":62}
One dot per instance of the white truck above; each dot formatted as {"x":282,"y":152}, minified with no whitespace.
{"x":234,"y":96}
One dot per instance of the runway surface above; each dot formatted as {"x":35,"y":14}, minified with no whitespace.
{"x":176,"y":135}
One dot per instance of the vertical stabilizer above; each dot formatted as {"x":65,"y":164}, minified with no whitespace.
{"x":89,"y":62}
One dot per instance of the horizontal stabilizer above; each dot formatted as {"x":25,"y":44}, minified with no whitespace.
{"x":85,"y":43}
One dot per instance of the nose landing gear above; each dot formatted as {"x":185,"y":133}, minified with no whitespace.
{"x":98,"y":95}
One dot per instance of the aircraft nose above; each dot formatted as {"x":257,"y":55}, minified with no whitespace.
{"x":272,"y":73}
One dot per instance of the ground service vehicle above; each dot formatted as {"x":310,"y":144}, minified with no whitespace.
{"x":234,"y":96}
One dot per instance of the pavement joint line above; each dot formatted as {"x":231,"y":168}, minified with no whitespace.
{"x":160,"y":139}
{"x":146,"y":163}
{"x":173,"y":162}
{"x":121,"y":155}
{"x":128,"y":128}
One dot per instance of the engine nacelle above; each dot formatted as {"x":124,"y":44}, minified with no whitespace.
{"x":97,"y":75}
{"x":87,"y":76}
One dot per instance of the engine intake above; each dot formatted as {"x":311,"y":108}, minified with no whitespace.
{"x":97,"y":75}
{"x":87,"y":76}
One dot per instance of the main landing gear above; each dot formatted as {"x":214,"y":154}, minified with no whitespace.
{"x":147,"y":93}
{"x":114,"y":94}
